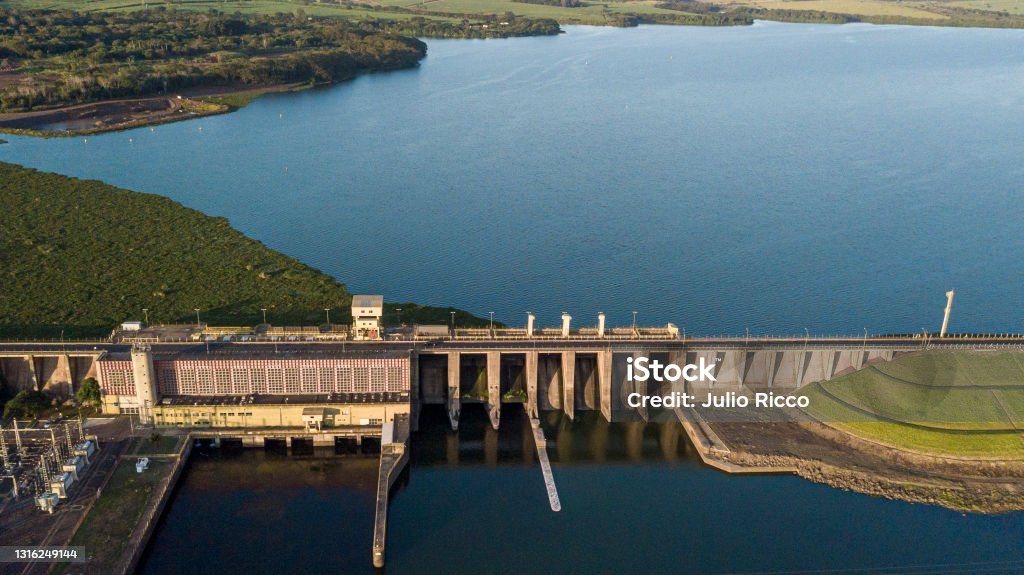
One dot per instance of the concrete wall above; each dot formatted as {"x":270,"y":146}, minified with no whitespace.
{"x":280,"y":415}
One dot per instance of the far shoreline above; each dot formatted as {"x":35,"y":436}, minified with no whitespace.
{"x":126,"y":114}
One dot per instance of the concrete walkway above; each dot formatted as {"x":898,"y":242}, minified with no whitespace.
{"x":545,"y":465}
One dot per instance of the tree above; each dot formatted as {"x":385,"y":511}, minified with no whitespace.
{"x":28,"y":403}
{"x":89,"y":392}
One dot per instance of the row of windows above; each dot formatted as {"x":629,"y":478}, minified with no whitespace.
{"x":118,"y":382}
{"x":277,"y":381}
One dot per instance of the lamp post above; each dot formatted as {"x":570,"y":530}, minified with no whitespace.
{"x":328,"y":310}
{"x":198,"y":322}
{"x":264,"y":310}
{"x":492,"y":323}
{"x":453,"y":325}
{"x":399,"y":310}
{"x":145,"y":313}
{"x":807,"y":336}
{"x":637,"y":334}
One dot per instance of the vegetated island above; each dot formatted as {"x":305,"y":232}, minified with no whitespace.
{"x":937,"y":427}
{"x":80,"y":256}
{"x":73,"y":73}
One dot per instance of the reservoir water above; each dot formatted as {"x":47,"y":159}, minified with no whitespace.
{"x":774,"y":177}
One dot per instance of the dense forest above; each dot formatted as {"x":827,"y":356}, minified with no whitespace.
{"x":77,"y":257}
{"x":71,"y":57}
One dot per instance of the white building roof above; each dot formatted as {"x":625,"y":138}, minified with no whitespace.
{"x":367,"y":301}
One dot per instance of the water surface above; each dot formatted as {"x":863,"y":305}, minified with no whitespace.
{"x":776,"y":177}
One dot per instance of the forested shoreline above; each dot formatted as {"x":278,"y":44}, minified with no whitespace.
{"x":112,"y":252}
{"x":65,"y":58}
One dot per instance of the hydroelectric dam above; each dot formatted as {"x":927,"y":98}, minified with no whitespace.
{"x":351,"y":387}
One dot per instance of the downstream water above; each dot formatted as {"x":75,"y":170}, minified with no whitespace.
{"x":776,"y":177}
{"x":634,"y":499}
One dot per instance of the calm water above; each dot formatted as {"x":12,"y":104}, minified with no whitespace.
{"x":774,"y":177}
{"x":634,"y":499}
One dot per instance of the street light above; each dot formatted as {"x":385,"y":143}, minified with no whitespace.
{"x":807,"y":336}
{"x":453,"y":324}
{"x":264,"y":310}
{"x":198,"y":322}
{"x":145,"y":312}
{"x":492,"y":322}
{"x":328,"y":310}
{"x":399,"y":310}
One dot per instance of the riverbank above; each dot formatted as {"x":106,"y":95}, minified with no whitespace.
{"x":826,"y":455}
{"x":126,"y":114}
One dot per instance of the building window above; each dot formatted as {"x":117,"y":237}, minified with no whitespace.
{"x":276,"y":379}
{"x":326,"y":380}
{"x":344,"y":381}
{"x":259,"y":380}
{"x":378,"y":379}
{"x":240,"y":380}
{"x":291,"y":380}
{"x":309,"y":382}
{"x":205,"y":378}
{"x":362,"y":380}
{"x":223,"y":379}
{"x":169,"y":382}
{"x":396,"y":383}
{"x":187,"y":383}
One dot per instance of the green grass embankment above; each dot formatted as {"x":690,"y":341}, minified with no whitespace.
{"x":961,"y":404}
{"x":107,"y":530}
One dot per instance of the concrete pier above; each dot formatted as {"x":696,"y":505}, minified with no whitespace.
{"x":604,"y":382}
{"x":494,"y":388}
{"x":569,"y":383}
{"x":545,"y":465}
{"x":531,"y":384}
{"x":454,"y":401}
{"x":394,"y":455}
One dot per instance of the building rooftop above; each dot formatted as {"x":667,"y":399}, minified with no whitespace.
{"x":367,"y":301}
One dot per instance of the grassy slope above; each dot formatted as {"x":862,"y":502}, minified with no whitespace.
{"x":950,"y":403}
{"x":82,"y":256}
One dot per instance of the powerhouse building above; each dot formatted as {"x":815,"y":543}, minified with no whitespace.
{"x":256,"y":386}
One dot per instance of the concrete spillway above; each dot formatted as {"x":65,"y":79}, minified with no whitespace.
{"x":590,"y":376}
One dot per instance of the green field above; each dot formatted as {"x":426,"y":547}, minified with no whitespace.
{"x":81,"y":256}
{"x":949,"y":403}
